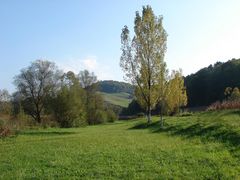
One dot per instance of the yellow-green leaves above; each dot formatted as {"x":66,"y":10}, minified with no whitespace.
{"x":142,"y":58}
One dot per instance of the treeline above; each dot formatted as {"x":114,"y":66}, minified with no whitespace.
{"x":208,"y":84}
{"x":46,"y":95}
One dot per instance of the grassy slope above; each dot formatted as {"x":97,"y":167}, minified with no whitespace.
{"x":206,"y":145}
{"x":120,"y":99}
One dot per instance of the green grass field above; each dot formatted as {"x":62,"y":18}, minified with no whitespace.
{"x":119,"y":99}
{"x":202,"y":146}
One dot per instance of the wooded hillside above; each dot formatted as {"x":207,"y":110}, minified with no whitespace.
{"x":207,"y":85}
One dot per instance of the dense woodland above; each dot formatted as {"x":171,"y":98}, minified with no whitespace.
{"x":208,"y":84}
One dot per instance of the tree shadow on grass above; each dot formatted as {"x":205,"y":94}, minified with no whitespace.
{"x":212,"y":132}
{"x":46,"y":133}
{"x":151,"y":126}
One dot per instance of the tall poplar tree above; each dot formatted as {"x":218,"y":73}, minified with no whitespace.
{"x":142,"y":58}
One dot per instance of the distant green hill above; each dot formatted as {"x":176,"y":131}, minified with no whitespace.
{"x":116,"y":93}
{"x":115,"y":87}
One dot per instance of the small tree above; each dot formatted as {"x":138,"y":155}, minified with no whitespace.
{"x":235,"y":95}
{"x":5,"y":104}
{"x":142,"y":58}
{"x":176,"y":96}
{"x":94,"y":101}
{"x":69,"y":104}
{"x":228,"y":92}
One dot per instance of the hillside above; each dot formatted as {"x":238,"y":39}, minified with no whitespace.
{"x":202,"y":146}
{"x":115,"y":87}
{"x":208,"y":84}
{"x":119,"y":99}
{"x":116,"y":93}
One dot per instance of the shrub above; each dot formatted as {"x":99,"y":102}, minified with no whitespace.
{"x":5,"y":131}
{"x":100,"y":116}
{"x":111,"y":116}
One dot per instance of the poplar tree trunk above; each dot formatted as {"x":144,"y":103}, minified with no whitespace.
{"x":149,"y":115}
{"x":161,"y":115}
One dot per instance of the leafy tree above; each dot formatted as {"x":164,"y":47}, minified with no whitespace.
{"x":142,"y":58}
{"x":176,"y":96}
{"x":235,"y":94}
{"x":94,"y":101}
{"x":69,"y":104}
{"x":87,"y":80}
{"x":35,"y":83}
{"x":232,"y":94}
{"x":5,"y":103}
{"x":228,"y":92}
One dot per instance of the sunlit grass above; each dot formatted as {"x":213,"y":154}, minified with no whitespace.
{"x":202,"y":146}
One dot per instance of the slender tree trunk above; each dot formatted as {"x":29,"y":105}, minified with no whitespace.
{"x":149,"y":115}
{"x":161,"y":115}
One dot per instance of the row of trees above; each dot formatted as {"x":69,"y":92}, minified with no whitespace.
{"x":174,"y":98}
{"x":46,"y":93}
{"x":142,"y":60}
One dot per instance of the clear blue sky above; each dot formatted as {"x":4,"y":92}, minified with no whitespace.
{"x":86,"y":34}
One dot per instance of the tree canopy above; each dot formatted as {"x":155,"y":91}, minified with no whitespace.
{"x":208,"y":84}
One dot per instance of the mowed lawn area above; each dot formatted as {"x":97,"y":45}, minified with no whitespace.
{"x":202,"y":146}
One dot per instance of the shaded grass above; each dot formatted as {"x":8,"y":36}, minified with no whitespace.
{"x":203,"y":146}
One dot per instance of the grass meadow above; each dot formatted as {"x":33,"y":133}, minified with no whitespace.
{"x":120,"y":99}
{"x":202,"y":146}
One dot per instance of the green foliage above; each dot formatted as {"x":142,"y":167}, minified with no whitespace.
{"x":68,"y":106}
{"x":201,"y":146}
{"x":235,"y":95}
{"x":5,"y":103}
{"x":142,"y":58}
{"x":133,"y":109}
{"x":100,"y":116}
{"x":232,"y":94}
{"x":35,"y":83}
{"x":176,"y":96}
{"x":208,"y":84}
{"x":111,"y":116}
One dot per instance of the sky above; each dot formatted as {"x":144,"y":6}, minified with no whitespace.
{"x":79,"y":35}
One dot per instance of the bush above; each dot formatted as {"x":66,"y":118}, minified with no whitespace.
{"x":111,"y":116}
{"x":4,"y":132}
{"x":100,"y":116}
{"x":6,"y":129}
